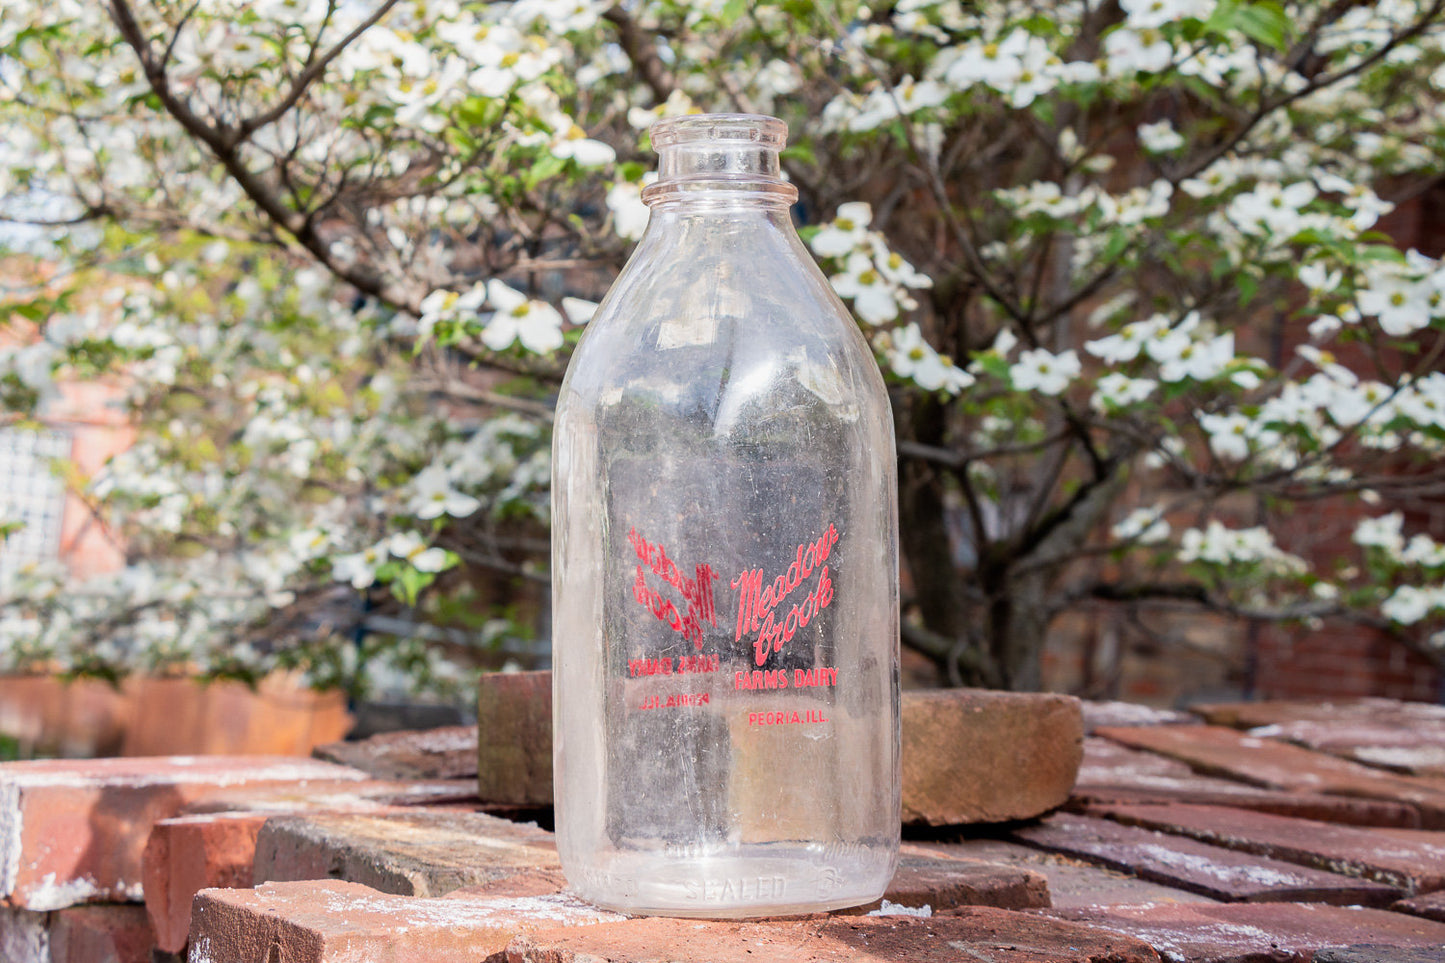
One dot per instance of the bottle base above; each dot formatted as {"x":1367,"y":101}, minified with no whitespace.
{"x":756,"y":881}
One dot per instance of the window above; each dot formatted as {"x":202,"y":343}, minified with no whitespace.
{"x":31,"y":494}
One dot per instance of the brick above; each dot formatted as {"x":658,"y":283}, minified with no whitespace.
{"x":74,"y":832}
{"x":331,"y":921}
{"x":1376,"y":953}
{"x":1070,"y":881}
{"x":514,"y":752}
{"x":101,"y":934}
{"x":1431,"y":906}
{"x":188,"y":854}
{"x":1098,"y":715}
{"x":942,"y":882}
{"x":1257,"y":932}
{"x":973,"y":756}
{"x":972,"y":934}
{"x":1402,"y":736}
{"x":332,"y":795}
{"x":1112,"y":773}
{"x":449,"y":752}
{"x":1213,"y":871}
{"x":1264,"y":762}
{"x":408,"y":853}
{"x":1413,"y":860}
{"x":282,"y":715}
{"x":24,"y":936}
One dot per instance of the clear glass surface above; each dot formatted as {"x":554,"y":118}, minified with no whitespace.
{"x":725,"y":563}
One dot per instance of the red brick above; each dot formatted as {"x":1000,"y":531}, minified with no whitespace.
{"x":514,"y":758}
{"x":941,"y":882}
{"x":1112,"y":773}
{"x":74,"y":832}
{"x":971,"y":934}
{"x":1212,"y":871}
{"x":1099,"y":715}
{"x":1276,"y":765}
{"x":1071,"y":882}
{"x":188,"y":854}
{"x":1411,"y":859}
{"x":330,"y":921}
{"x":1257,"y":932}
{"x":408,"y":852}
{"x":342,"y":795}
{"x":973,"y":756}
{"x":1431,"y":906}
{"x":101,"y":934}
{"x":1376,"y":953}
{"x":445,"y":753}
{"x":24,"y":936}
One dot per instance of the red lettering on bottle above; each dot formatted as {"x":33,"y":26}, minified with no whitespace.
{"x":756,"y":603}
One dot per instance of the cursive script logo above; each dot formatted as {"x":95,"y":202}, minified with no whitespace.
{"x":696,"y":591}
{"x":757,"y":602}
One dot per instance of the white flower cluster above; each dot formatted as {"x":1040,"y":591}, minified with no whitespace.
{"x":515,"y":318}
{"x":1217,"y":544}
{"x":875,"y":278}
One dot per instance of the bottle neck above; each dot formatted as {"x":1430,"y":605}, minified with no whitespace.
{"x":711,"y":162}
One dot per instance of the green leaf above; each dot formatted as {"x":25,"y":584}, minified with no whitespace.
{"x":1264,"y":22}
{"x":631,"y":171}
{"x":731,"y":11}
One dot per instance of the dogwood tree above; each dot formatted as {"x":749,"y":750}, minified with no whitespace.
{"x":1121,"y":263}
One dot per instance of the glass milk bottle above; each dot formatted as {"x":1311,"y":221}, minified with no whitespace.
{"x":725,"y":562}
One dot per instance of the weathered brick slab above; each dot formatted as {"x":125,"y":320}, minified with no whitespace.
{"x":408,"y":853}
{"x":974,"y":935}
{"x":1098,"y":715}
{"x":1376,"y":953}
{"x":1215,"y":750}
{"x":941,"y":882}
{"x":188,"y":854}
{"x":1431,"y":906}
{"x":24,"y":936}
{"x":1071,"y":882}
{"x":514,"y":748}
{"x":1405,"y":736}
{"x":449,"y":752}
{"x":73,"y":831}
{"x":969,"y":755}
{"x":973,"y":756}
{"x":1412,"y":860}
{"x":331,"y":921}
{"x":345,"y":796}
{"x":1113,"y":773}
{"x":101,"y":934}
{"x":1258,"y":932}
{"x":1216,"y":872}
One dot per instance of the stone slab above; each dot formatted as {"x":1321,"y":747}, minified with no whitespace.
{"x":24,"y":935}
{"x":514,"y":745}
{"x":1431,"y":906}
{"x":449,"y":752}
{"x":408,"y":853}
{"x":975,"y":756}
{"x":1216,"y":872}
{"x":1114,"y":773}
{"x":1258,"y":932}
{"x":1412,"y":860}
{"x":966,"y":935}
{"x":101,"y":934}
{"x":73,"y":831}
{"x":1215,"y":750}
{"x":1071,"y":882}
{"x":331,"y":921}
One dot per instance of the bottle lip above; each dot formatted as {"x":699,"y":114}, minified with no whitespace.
{"x":760,"y":129}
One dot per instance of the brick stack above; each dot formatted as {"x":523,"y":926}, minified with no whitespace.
{"x":389,"y":858}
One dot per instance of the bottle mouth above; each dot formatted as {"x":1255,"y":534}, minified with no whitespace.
{"x":702,"y":153}
{"x":767,"y":132}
